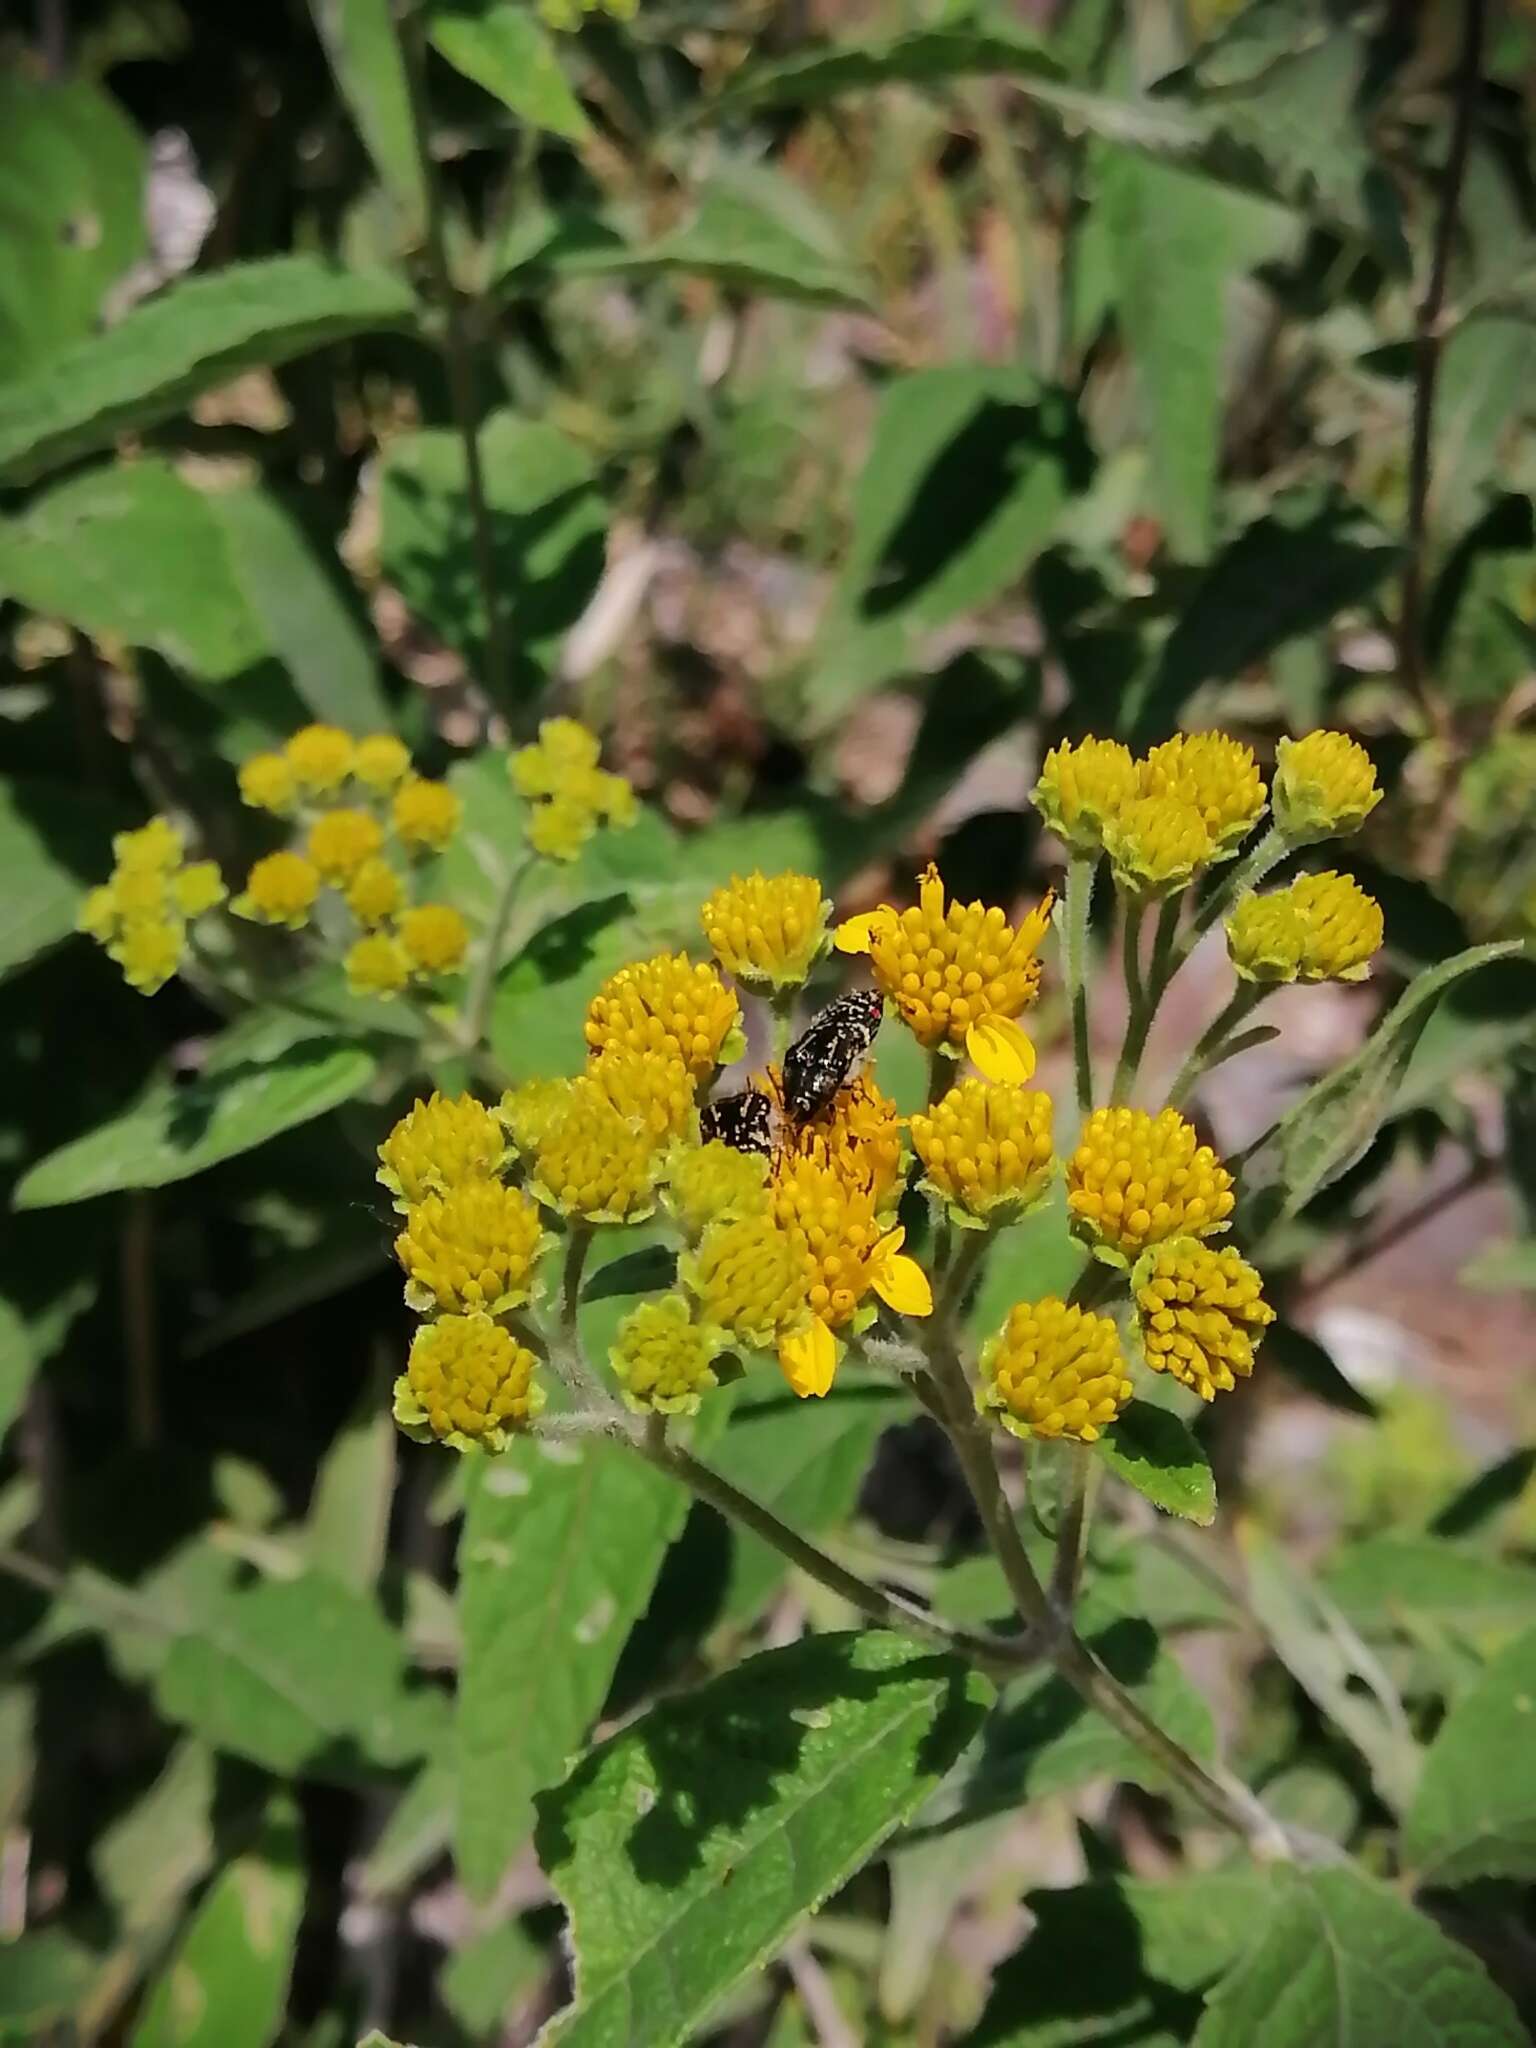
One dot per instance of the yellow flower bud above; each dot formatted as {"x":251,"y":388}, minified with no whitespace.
{"x":668,"y":1005}
{"x":1265,"y":936}
{"x":380,"y":762}
{"x":1054,"y":1370}
{"x":564,"y":748}
{"x":1214,"y":775}
{"x":767,"y":932}
{"x":426,"y":814}
{"x":149,"y":951}
{"x":471,"y":1249}
{"x":528,"y":1111}
{"x":1201,"y":1313}
{"x":705,"y":1183}
{"x":341,"y":841}
{"x":1155,"y":844}
{"x":280,"y":889}
{"x":592,"y":1162}
{"x":1325,"y":787}
{"x":1136,"y":1179}
{"x":650,"y":1090}
{"x":197,"y":887}
{"x":268,"y":783}
{"x":986,"y":1150}
{"x":1343,"y":927}
{"x":154,"y":849}
{"x":662,"y":1358}
{"x":435,"y":938}
{"x":560,"y":828}
{"x":747,"y":1276}
{"x":377,"y":966}
{"x":1081,"y":785}
{"x":374,"y":893}
{"x":320,"y":757}
{"x":440,"y":1144}
{"x":468,"y":1384}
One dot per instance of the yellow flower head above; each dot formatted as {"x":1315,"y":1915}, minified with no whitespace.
{"x":374,"y":893}
{"x":747,"y":1276}
{"x":426,"y":814}
{"x":471,"y":1249}
{"x":668,"y":1005}
{"x":377,"y":965}
{"x":440,"y":1144}
{"x":1343,"y":927}
{"x":1155,"y":844}
{"x":857,"y":1134}
{"x":320,"y":757}
{"x":380,"y":762}
{"x":1136,"y":1179}
{"x":565,"y":748}
{"x":959,"y":974}
{"x":1325,"y":787}
{"x":468,"y":1384}
{"x":1081,"y":786}
{"x":707,"y":1182}
{"x":268,"y":783}
{"x":650,"y":1090}
{"x":767,"y":931}
{"x":528,"y":1111}
{"x":154,"y":849}
{"x":986,"y":1150}
{"x":97,"y":915}
{"x":141,"y":892}
{"x":846,"y":1250}
{"x":1201,"y":1313}
{"x":197,"y":887}
{"x":1265,"y":936}
{"x":560,"y":828}
{"x":570,"y":794}
{"x":280,"y":889}
{"x":590,"y":1161}
{"x":1214,"y":775}
{"x":662,"y":1358}
{"x":1054,"y":1370}
{"x":340,"y":841}
{"x":148,"y":950}
{"x":435,"y":937}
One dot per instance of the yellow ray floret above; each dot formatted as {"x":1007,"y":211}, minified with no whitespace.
{"x":1136,"y":1179}
{"x":768,"y":931}
{"x":1201,"y":1313}
{"x":440,"y":1144}
{"x":667,"y":1005}
{"x":471,"y":1249}
{"x":662,"y":1358}
{"x":320,"y":757}
{"x":1214,"y":775}
{"x":280,"y":889}
{"x":1081,"y":785}
{"x":958,"y":974}
{"x":1325,"y":787}
{"x":1156,"y":844}
{"x":1054,"y":1370}
{"x":986,"y":1150}
{"x":468,"y":1384}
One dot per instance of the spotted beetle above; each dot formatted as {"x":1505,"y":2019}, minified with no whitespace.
{"x":825,"y":1053}
{"x":743,"y":1121}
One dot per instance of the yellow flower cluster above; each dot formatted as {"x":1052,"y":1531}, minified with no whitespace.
{"x":669,"y":1005}
{"x":1325,"y":787}
{"x":571,"y":796}
{"x":141,"y":912}
{"x":1321,"y":928}
{"x":958,"y":974}
{"x":468,"y":1383}
{"x":1189,"y":802}
{"x":986,"y":1151}
{"x":662,"y":1358}
{"x":316,"y":762}
{"x":1136,"y":1179}
{"x":857,"y":1135}
{"x":1054,"y":1370}
{"x":1201,"y":1313}
{"x":767,"y":931}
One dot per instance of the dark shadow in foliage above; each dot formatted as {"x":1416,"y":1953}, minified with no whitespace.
{"x":563,"y":948}
{"x":972,"y":701}
{"x":686,"y":1602}
{"x":1499,"y":1487}
{"x":1508,"y":527}
{"x":719,"y":1753}
{"x":1083,"y":1962}
{"x":966,"y":486}
{"x":990,"y":856}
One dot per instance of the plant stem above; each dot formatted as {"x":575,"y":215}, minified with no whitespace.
{"x":577,"y":1245}
{"x":941,"y":1074}
{"x":477,"y":1009}
{"x":1208,"y":1050}
{"x":1071,"y":1531}
{"x":1081,"y":868}
{"x":1246,"y":875}
{"x":457,"y":357}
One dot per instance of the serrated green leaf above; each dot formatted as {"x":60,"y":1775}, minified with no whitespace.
{"x":197,"y":334}
{"x":927,"y":56}
{"x":1474,"y":1814}
{"x":742,"y":247}
{"x":687,"y":1847}
{"x":1153,"y":1451}
{"x":504,"y":47}
{"x":362,"y":44}
{"x":54,"y":842}
{"x":174,"y":1131}
{"x":297,"y":1674}
{"x":560,"y":1549}
{"x":1343,"y":1963}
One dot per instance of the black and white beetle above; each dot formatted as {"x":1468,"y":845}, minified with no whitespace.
{"x":825,"y":1053}
{"x":743,"y":1121}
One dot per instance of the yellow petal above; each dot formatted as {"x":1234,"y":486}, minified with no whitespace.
{"x":808,"y":1358}
{"x":930,"y":894}
{"x":1038,"y":922}
{"x":857,"y":934}
{"x":902,"y":1285}
{"x":1001,"y":1049}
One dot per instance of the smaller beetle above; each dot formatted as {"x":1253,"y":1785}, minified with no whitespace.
{"x":743,"y":1121}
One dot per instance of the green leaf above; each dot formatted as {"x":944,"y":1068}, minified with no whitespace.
{"x":1151,"y":1449}
{"x":503,"y":47}
{"x":1323,"y":1133}
{"x":45,"y":1977}
{"x":174,"y":1131}
{"x":548,"y":521}
{"x":928,"y":56}
{"x":1485,"y":373}
{"x":197,"y":334}
{"x":226,"y":1985}
{"x":743,"y":247}
{"x":300,"y":611}
{"x":297,"y":1674}
{"x":560,"y":1549}
{"x":687,"y":1847}
{"x":483,"y":1980}
{"x":1341,"y":1962}
{"x":362,"y":44}
{"x":71,"y":209}
{"x":54,"y":842}
{"x":348,"y":1527}
{"x":150,"y":1857}
{"x":806,"y":1462}
{"x":541,"y":997}
{"x":1475,"y":1811}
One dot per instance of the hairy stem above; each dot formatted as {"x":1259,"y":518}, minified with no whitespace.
{"x":1071,"y":1531}
{"x":1210,"y":1048}
{"x":1245,"y":875}
{"x":1076,"y":910}
{"x":477,"y":1009}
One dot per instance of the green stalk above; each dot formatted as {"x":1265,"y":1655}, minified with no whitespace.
{"x":477,"y":1009}
{"x":1214,"y":1044}
{"x":1081,"y":868}
{"x":1246,"y":875}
